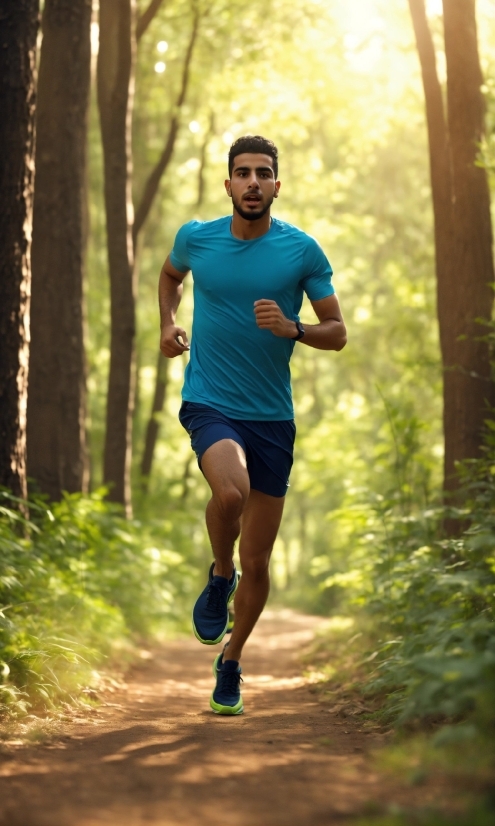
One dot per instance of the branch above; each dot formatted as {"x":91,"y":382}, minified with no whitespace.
{"x":146,"y":17}
{"x":153,"y":182}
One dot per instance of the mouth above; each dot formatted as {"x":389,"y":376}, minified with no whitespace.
{"x":252,"y":200}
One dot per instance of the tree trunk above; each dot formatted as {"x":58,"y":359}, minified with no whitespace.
{"x":115,"y":73}
{"x":470,"y":387}
{"x":19,"y":26}
{"x":57,"y":386}
{"x":153,"y":422}
{"x":464,"y":265}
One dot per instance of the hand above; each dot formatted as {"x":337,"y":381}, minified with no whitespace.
{"x":269,"y":316}
{"x":170,"y":343}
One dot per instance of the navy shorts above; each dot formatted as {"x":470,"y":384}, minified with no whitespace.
{"x":269,"y":446}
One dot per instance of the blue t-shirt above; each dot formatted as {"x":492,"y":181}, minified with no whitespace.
{"x":235,"y":367}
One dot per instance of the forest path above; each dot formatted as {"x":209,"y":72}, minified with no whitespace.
{"x":157,"y":755}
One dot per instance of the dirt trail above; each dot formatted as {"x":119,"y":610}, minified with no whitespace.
{"x":157,"y":756}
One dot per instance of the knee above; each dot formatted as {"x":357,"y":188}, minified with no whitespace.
{"x":230,"y":503}
{"x":256,"y":567}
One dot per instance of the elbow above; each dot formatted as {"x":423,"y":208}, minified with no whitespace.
{"x":342,"y":339}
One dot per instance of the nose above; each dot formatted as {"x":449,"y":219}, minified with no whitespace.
{"x":253,"y":182}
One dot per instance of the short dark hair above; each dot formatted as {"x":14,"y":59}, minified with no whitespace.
{"x":255,"y":144}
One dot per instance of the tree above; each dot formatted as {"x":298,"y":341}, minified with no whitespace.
{"x":115,"y":93}
{"x":463,"y":233}
{"x":19,"y":23}
{"x":115,"y":80}
{"x":57,"y":387}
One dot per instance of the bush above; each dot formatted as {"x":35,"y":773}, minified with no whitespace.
{"x":78,"y":583}
{"x":432,"y":603}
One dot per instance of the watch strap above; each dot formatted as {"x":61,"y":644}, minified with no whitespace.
{"x":300,"y":332}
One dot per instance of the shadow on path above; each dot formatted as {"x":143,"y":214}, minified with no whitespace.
{"x":162,"y":757}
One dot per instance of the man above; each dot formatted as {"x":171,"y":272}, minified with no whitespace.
{"x":250,"y":271}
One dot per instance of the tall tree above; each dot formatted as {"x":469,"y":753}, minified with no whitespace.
{"x":463,"y":233}
{"x":116,"y":61}
{"x":57,"y":387}
{"x":115,"y":80}
{"x":19,"y":25}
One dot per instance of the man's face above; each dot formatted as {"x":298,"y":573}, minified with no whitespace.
{"x":252,"y":186}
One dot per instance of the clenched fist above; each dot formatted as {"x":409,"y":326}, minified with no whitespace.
{"x":173,"y":341}
{"x":269,"y":316}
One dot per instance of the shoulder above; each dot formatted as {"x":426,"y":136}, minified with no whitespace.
{"x":198,"y":230}
{"x":286,"y":230}
{"x":196,"y":227}
{"x":306,"y":243}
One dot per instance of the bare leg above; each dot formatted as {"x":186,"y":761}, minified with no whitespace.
{"x":224,"y":466}
{"x":260,"y":523}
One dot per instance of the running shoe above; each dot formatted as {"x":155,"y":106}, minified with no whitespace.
{"x":211,"y":611}
{"x":226,"y":696}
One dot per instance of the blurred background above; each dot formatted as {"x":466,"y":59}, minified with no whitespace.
{"x":337,"y":86}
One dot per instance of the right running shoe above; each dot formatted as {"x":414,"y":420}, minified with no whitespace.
{"x":226,"y":696}
{"x":211,"y":611}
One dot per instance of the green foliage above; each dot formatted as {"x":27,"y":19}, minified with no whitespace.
{"x":78,"y":583}
{"x":431,"y":601}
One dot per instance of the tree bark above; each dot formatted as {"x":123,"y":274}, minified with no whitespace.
{"x":464,"y":265}
{"x":57,"y":383}
{"x":19,"y":26}
{"x":472,"y":274}
{"x":115,"y":81}
{"x":153,"y":426}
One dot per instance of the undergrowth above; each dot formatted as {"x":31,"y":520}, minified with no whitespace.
{"x":424,"y":611}
{"x":79,"y":585}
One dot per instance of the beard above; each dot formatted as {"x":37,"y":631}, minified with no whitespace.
{"x":252,"y":215}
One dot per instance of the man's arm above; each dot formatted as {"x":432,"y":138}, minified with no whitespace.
{"x":170,"y":290}
{"x":328,"y":334}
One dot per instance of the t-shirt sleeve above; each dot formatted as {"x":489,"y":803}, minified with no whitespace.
{"x":180,"y":254}
{"x":317,"y":279}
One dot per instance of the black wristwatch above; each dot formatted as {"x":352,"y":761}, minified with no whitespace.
{"x":300,"y":332}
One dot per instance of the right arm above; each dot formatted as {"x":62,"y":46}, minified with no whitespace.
{"x":169,"y":295}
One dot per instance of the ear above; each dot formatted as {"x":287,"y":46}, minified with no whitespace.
{"x":277,"y":189}
{"x":228,"y":189}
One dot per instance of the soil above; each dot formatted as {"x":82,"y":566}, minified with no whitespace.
{"x":154,"y":754}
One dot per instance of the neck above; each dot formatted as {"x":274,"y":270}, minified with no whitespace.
{"x":248,"y":230}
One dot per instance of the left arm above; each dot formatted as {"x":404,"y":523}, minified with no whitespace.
{"x":328,"y":334}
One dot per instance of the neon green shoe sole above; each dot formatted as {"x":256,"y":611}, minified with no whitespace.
{"x":218,"y":708}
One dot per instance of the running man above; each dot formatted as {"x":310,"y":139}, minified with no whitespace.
{"x":250,"y":272}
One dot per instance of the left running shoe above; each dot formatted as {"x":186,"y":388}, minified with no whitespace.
{"x":226,"y":696}
{"x":211,"y":611}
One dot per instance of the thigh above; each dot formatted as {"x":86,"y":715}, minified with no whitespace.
{"x":224,"y":466}
{"x":260,"y":523}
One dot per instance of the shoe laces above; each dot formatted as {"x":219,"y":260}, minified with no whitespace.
{"x":215,"y":601}
{"x":229,"y":680}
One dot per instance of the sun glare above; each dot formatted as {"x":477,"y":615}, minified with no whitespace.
{"x":162,"y":46}
{"x":434,"y":8}
{"x":160,"y":67}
